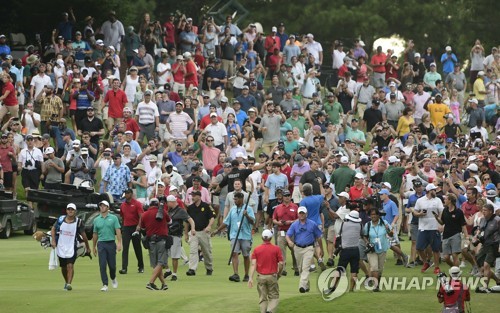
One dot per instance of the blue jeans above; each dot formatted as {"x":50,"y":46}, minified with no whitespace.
{"x":106,"y":251}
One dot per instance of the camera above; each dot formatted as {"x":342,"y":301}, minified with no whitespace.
{"x":370,"y":248}
{"x":106,"y":154}
{"x":159,"y":215}
{"x":445,"y":283}
{"x":28,"y":163}
{"x":478,"y":239}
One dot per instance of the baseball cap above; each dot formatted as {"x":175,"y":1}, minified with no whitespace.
{"x":387,"y":185}
{"x":417,"y":55}
{"x":76,"y":142}
{"x":433,"y":64}
{"x":448,"y":48}
{"x":152,"y":158}
{"x":85,"y":151}
{"x":430,"y":187}
{"x":384,"y":192}
{"x":224,"y":99}
{"x":213,"y":114}
{"x":302,"y":209}
{"x":359,"y":176}
{"x":267,"y":234}
{"x":473,"y":100}
{"x":473,"y":167}
{"x":106,"y":203}
{"x":490,"y":186}
{"x":71,"y":206}
{"x":344,"y":160}
{"x":491,"y":193}
{"x":343,"y":194}
{"x":393,"y":159}
{"x":171,"y":198}
{"x":49,"y":150}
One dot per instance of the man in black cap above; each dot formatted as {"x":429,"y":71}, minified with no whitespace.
{"x":131,"y":211}
{"x":371,"y":117}
{"x":93,"y":125}
{"x":235,"y":173}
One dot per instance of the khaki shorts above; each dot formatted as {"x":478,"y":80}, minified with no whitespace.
{"x":330,"y":233}
{"x":376,"y":261}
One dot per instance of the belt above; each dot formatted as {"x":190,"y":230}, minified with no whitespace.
{"x":305,"y":245}
{"x":362,"y":102}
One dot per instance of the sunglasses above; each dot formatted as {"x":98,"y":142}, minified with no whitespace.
{"x":210,"y":140}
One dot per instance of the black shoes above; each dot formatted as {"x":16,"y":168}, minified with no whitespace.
{"x":140,"y":270}
{"x":246,"y":278}
{"x":303,"y":290}
{"x":209,"y":272}
{"x":122,"y":271}
{"x":151,"y":286}
{"x":283,"y":273}
{"x":330,"y":262}
{"x":174,"y":278}
{"x":190,"y":272}
{"x":166,"y":274}
{"x":235,"y":278}
{"x":296,"y":273}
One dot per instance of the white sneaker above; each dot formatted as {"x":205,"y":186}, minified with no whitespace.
{"x":114,"y":282}
{"x":462,"y":264}
{"x":104,"y":288}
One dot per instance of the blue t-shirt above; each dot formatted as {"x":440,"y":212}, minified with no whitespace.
{"x":174,"y":158}
{"x":391,"y":211}
{"x":241,"y":116}
{"x":304,"y":234}
{"x":274,"y":182}
{"x":56,"y":133}
{"x":313,"y":205}
{"x":233,"y":219}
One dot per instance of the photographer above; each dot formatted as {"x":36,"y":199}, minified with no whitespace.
{"x":351,"y":232}
{"x":454,"y":293}
{"x":156,"y":233}
{"x":52,"y":170}
{"x":30,"y":161}
{"x":376,"y":234}
{"x":82,"y":167}
{"x":489,"y":236}
{"x":176,"y":229}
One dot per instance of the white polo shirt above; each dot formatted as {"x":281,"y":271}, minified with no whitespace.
{"x":428,"y":221}
{"x":218,"y":131}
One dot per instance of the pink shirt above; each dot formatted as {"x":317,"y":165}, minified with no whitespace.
{"x":210,"y":156}
{"x":205,"y":196}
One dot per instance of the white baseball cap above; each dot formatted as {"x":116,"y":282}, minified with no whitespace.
{"x":71,"y":206}
{"x":302,"y":209}
{"x":473,"y":167}
{"x":267,"y":234}
{"x":171,"y":198}
{"x":359,"y":176}
{"x":344,"y":159}
{"x":430,"y":187}
{"x":344,"y":194}
{"x":387,"y":185}
{"x":49,"y":150}
{"x":106,"y":203}
{"x":393,"y":159}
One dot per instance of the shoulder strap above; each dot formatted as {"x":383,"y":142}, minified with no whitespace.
{"x":60,"y":220}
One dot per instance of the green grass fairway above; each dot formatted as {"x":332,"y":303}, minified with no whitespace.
{"x":26,"y":285}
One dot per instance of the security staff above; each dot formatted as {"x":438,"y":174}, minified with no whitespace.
{"x":131,"y":211}
{"x":267,"y":261}
{"x":204,"y":216}
{"x":305,"y":233}
{"x":156,"y":233}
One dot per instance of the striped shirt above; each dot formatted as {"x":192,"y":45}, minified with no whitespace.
{"x":178,"y":124}
{"x":147,"y":112}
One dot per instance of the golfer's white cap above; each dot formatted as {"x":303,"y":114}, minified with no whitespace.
{"x":267,"y":234}
{"x":106,"y":203}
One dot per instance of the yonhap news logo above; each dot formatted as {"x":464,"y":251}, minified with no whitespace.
{"x":333,"y":283}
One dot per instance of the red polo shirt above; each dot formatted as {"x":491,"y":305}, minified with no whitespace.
{"x":285,"y":213}
{"x":116,"y":102}
{"x":355,"y":193}
{"x":131,"y":212}
{"x":131,"y":124}
{"x":469,"y":210}
{"x":268,"y":256}
{"x":152,"y":226}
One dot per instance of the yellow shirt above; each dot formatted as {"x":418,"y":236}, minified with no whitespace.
{"x":437,"y":112}
{"x":404,"y":125}
{"x":479,"y":86}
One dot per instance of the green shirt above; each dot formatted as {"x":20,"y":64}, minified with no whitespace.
{"x":290,"y":146}
{"x":342,"y":177}
{"x":354,"y":134}
{"x":394,"y":176}
{"x":105,"y":227}
{"x":300,"y":123}
{"x":334,"y":110}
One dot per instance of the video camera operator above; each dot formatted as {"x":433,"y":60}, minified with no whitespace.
{"x":488,"y":235}
{"x":156,"y":234}
{"x":453,"y":293}
{"x":83,"y":167}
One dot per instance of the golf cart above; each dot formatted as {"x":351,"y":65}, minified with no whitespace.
{"x":15,"y":215}
{"x":52,"y":203}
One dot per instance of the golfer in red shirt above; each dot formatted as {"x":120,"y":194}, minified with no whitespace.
{"x":267,"y":260}
{"x":284,"y":215}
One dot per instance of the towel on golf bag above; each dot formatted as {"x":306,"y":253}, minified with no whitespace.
{"x":53,"y":260}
